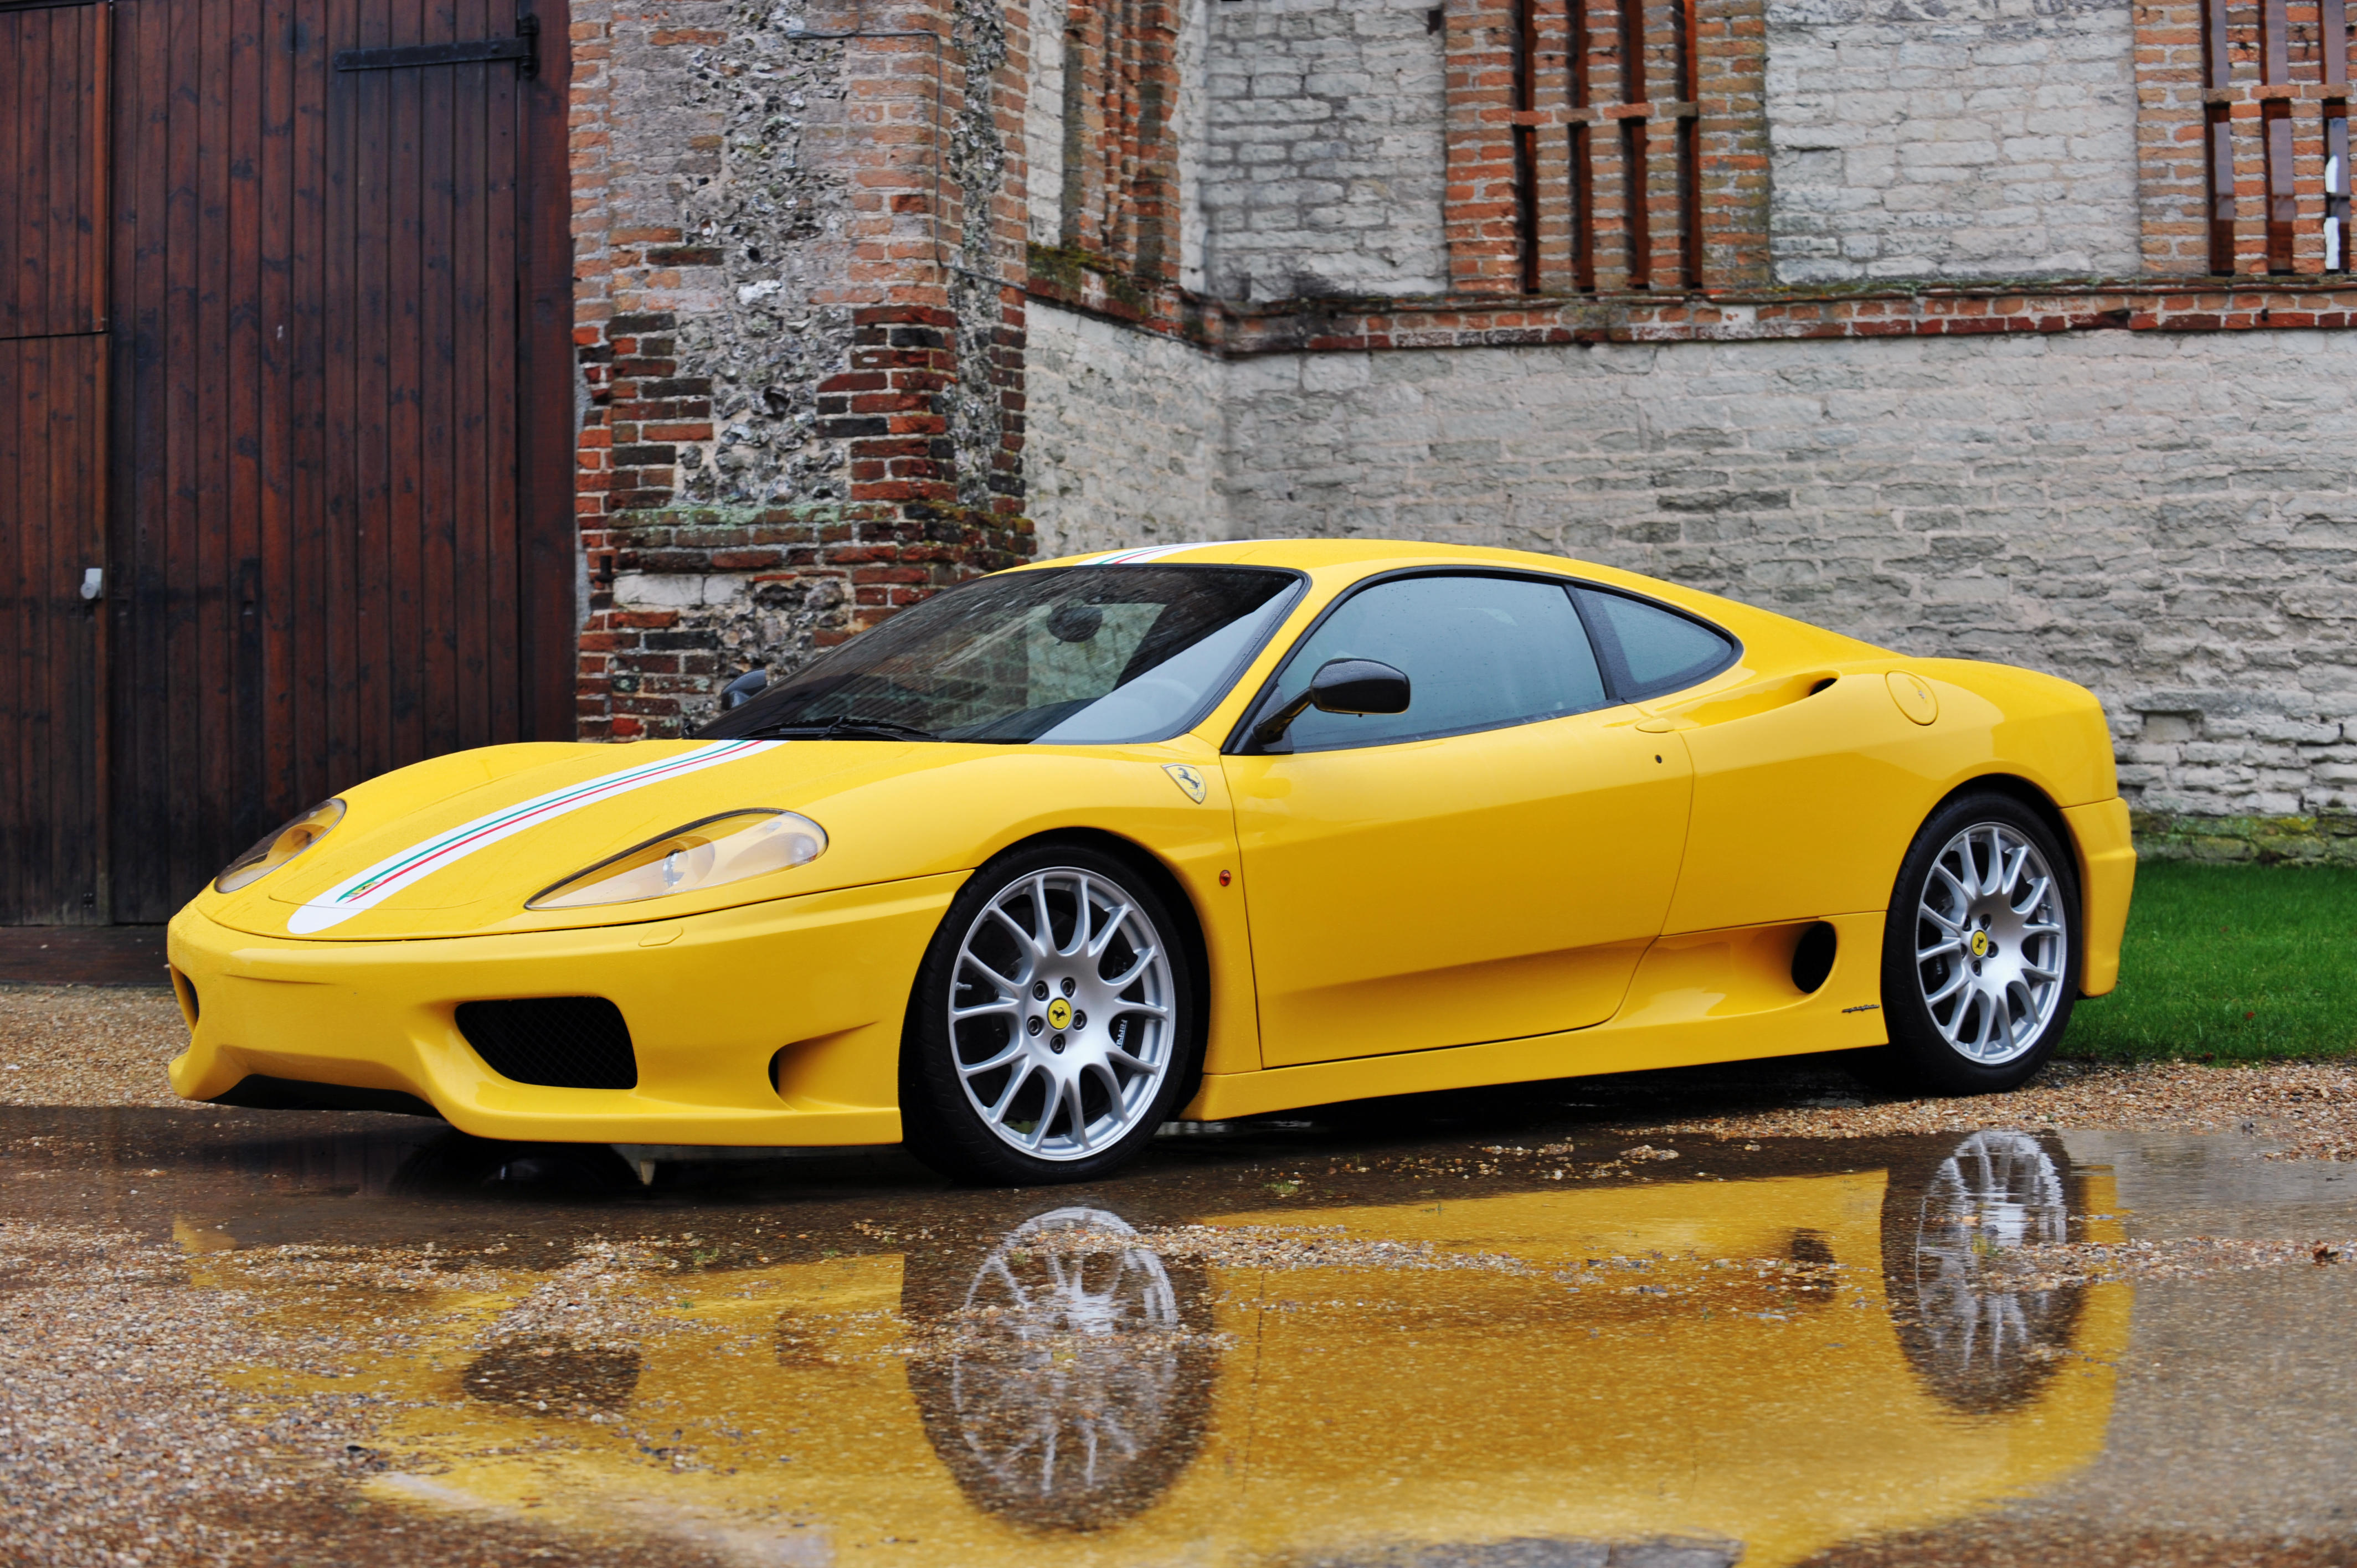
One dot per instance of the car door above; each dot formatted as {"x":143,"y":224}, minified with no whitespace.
{"x":1488,"y":864}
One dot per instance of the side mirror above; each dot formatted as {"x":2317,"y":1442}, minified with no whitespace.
{"x":1341,"y":686}
{"x":744,"y":689}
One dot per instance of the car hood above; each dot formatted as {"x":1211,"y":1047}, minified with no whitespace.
{"x":454,"y":846}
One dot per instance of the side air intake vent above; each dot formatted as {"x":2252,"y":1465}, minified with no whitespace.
{"x":561,"y":1042}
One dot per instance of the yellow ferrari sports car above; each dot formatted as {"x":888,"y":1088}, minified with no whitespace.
{"x":1191,"y":832}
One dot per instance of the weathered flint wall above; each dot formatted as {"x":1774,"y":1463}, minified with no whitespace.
{"x":801,"y":390}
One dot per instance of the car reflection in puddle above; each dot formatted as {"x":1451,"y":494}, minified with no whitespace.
{"x":1760,"y":1363}
{"x":1980,"y":1344}
{"x":1079,"y":1383}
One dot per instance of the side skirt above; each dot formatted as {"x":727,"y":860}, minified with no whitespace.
{"x":1705,"y":997}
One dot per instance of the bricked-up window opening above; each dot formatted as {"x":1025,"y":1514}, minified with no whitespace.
{"x":2336,"y":187}
{"x":2333,"y":25}
{"x":2274,"y":80}
{"x":1606,"y":146}
{"x":1526,"y":143}
{"x":1617,"y":202}
{"x":1119,"y":199}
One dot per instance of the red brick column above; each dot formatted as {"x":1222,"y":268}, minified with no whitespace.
{"x":1730,"y":90}
{"x":926,"y":324}
{"x":1481,"y":207}
{"x":2172,"y":143}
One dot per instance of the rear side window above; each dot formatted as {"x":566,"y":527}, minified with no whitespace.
{"x":1649,"y":649}
{"x":1478,"y":652}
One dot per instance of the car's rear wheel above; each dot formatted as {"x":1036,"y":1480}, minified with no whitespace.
{"x":1053,"y":1025}
{"x":1980,"y":956}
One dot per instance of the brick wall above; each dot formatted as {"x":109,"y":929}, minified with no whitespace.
{"x":2142,"y":512}
{"x":1321,"y":160}
{"x":1973,"y":140}
{"x":822,"y":377}
{"x":801,"y":389}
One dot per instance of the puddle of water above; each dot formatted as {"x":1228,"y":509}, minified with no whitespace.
{"x":1280,"y":1347}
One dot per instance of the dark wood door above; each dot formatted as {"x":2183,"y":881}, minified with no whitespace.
{"x":342,"y":536}
{"x":52,"y":459}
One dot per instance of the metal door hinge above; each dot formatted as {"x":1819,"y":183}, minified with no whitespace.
{"x":523,"y":49}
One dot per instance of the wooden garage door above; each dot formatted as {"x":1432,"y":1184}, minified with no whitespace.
{"x":52,"y":457}
{"x":342,"y":532}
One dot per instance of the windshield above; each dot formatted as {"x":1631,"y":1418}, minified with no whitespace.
{"x":1080,"y":655}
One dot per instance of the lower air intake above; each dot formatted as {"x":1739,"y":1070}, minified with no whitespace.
{"x":559,"y":1042}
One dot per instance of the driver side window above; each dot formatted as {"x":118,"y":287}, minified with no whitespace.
{"x":1478,"y":652}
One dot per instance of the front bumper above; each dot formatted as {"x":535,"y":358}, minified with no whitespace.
{"x":2108,"y":863}
{"x":773,"y":1024}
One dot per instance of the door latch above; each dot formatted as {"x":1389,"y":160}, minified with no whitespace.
{"x":93,"y":581}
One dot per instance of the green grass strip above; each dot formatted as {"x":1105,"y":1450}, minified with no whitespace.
{"x":2229,"y":963}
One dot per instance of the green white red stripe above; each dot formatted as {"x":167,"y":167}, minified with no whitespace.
{"x":1157,"y":552}
{"x":397,"y":872}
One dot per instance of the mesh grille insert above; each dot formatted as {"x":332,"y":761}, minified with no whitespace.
{"x":560,"y":1042}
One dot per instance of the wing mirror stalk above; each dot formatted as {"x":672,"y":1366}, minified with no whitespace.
{"x":1341,"y":686}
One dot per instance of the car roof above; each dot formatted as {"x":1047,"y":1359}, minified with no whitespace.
{"x":1364,"y":557}
{"x":1359,"y":558}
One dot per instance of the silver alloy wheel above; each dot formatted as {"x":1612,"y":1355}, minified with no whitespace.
{"x":1062,"y":1013}
{"x":1989,"y":943}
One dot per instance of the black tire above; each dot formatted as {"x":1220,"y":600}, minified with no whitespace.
{"x":1921,"y":1056}
{"x":945,"y":1128}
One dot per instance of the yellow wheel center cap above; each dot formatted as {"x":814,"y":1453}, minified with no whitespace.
{"x":1980,"y":950}
{"x":1060,"y":1012}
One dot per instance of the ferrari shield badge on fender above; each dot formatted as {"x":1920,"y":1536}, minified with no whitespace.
{"x":1187,"y":779}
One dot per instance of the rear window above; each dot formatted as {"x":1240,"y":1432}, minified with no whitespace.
{"x":1650,"y":649}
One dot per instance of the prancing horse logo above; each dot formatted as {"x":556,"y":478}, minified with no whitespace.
{"x":1060,"y":1014}
{"x":1187,"y":779}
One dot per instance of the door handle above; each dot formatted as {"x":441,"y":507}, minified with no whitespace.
{"x":93,"y":581}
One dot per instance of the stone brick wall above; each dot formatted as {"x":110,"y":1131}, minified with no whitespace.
{"x":1127,"y":435}
{"x":1321,"y":161}
{"x":1975,"y":139}
{"x":2152,"y":515}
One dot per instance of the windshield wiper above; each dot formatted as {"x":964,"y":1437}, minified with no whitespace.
{"x":844,"y":727}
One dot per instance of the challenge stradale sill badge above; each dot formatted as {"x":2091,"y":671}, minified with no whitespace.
{"x":1187,"y":779}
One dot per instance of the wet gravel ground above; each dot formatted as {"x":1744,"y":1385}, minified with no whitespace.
{"x":88,"y":1044}
{"x":229,"y":1336}
{"x":257,"y":1337}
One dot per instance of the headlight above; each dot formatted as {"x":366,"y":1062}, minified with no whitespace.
{"x":718,"y":850}
{"x":280,"y":847}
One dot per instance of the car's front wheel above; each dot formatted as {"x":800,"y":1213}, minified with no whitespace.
{"x":1053,"y":1025}
{"x":1980,"y":958}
